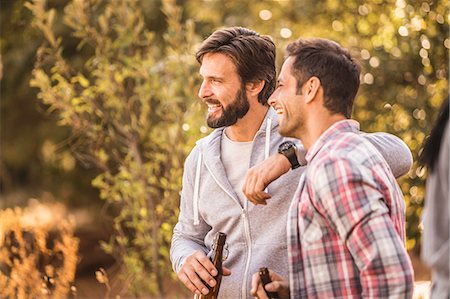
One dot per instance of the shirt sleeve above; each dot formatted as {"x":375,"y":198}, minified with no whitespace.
{"x":347,"y":196}
{"x":394,"y":151}
{"x":301,"y":151}
{"x":188,"y":237}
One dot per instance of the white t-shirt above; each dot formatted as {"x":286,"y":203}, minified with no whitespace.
{"x":236,"y":159}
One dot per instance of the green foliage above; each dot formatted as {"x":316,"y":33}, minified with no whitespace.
{"x":403,"y":49}
{"x":35,"y":160}
{"x":121,"y":76}
{"x":125,"y":107}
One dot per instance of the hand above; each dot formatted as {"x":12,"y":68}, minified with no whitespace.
{"x":278,"y":285}
{"x":261,"y":175}
{"x":198,"y":267}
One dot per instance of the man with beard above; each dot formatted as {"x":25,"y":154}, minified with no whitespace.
{"x":238,"y":71}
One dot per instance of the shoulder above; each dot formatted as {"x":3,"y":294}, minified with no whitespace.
{"x":193,"y":156}
{"x":203,"y":143}
{"x":347,"y":146}
{"x":346,"y":156}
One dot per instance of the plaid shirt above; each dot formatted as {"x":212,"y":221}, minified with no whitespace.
{"x":346,"y":226}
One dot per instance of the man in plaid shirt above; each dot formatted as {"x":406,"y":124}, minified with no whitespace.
{"x":346,"y":224}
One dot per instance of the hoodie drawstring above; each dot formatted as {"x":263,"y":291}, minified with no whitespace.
{"x":267,"y":147}
{"x":197,"y":188}
{"x":199,"y":167}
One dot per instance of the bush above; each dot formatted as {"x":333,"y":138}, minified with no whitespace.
{"x":38,"y":252}
{"x":126,"y":106}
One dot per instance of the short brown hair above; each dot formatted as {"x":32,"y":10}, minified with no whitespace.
{"x":337,"y":71}
{"x":252,"y":53}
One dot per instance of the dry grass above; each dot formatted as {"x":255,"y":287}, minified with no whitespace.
{"x":38,"y":252}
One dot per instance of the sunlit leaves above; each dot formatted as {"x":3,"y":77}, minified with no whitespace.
{"x":126,"y":108}
{"x":403,"y":49}
{"x":133,"y":103}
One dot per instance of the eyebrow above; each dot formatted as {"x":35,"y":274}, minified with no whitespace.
{"x":212,"y":77}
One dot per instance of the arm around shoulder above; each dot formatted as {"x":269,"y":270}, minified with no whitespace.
{"x":394,"y":151}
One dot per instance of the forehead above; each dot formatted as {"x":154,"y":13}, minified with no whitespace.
{"x":286,"y":68}
{"x":217,"y":65}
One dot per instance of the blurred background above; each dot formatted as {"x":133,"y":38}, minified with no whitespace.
{"x":99,"y":111}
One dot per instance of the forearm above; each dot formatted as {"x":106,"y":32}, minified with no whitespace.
{"x":182,"y":246}
{"x":384,"y":265}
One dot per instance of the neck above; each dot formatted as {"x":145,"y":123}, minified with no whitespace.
{"x":315,"y":129}
{"x":245,"y":128}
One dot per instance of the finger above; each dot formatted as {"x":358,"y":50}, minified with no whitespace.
{"x":206,"y":263}
{"x":248,"y":188}
{"x":226,"y":271}
{"x":273,"y":286}
{"x":260,"y":197}
{"x":261,"y":293}
{"x":255,"y":282}
{"x":203,"y":273}
{"x":187,"y":282}
{"x":246,"y":184}
{"x":255,"y":193}
{"x":257,"y":289}
{"x":195,"y":280}
{"x":260,"y":189}
{"x":280,"y":287}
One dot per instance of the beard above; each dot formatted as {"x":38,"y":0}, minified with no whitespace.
{"x":232,"y":113}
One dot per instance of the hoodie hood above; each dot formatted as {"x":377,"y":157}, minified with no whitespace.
{"x":209,"y":153}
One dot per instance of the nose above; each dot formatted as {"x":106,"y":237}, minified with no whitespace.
{"x":272,"y":100}
{"x":204,"y":90}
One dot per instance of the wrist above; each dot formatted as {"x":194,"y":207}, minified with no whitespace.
{"x":289,"y":150}
{"x":283,"y":162}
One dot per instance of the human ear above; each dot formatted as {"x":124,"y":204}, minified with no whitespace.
{"x":254,"y":88}
{"x":311,"y":88}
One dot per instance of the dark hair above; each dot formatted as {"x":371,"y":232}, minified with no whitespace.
{"x":253,"y":55}
{"x":337,"y":71}
{"x":432,"y":144}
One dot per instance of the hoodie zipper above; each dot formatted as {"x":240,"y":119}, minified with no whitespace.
{"x":248,"y":237}
{"x":244,"y":214}
{"x":248,"y":240}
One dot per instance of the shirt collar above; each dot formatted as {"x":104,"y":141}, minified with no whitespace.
{"x":347,"y":125}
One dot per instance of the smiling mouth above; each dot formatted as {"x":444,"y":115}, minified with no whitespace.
{"x":279,"y":111}
{"x":213,"y":106}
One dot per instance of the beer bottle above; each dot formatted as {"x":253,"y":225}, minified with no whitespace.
{"x":265,"y":279}
{"x":216,"y":258}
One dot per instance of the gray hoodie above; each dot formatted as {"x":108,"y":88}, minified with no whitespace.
{"x":256,"y":235}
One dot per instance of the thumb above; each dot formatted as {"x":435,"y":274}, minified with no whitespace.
{"x":226,"y":271}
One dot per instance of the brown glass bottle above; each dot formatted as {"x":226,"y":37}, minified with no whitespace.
{"x":265,"y":279}
{"x":216,"y":258}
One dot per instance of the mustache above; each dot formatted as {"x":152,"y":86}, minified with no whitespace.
{"x":211,"y":101}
